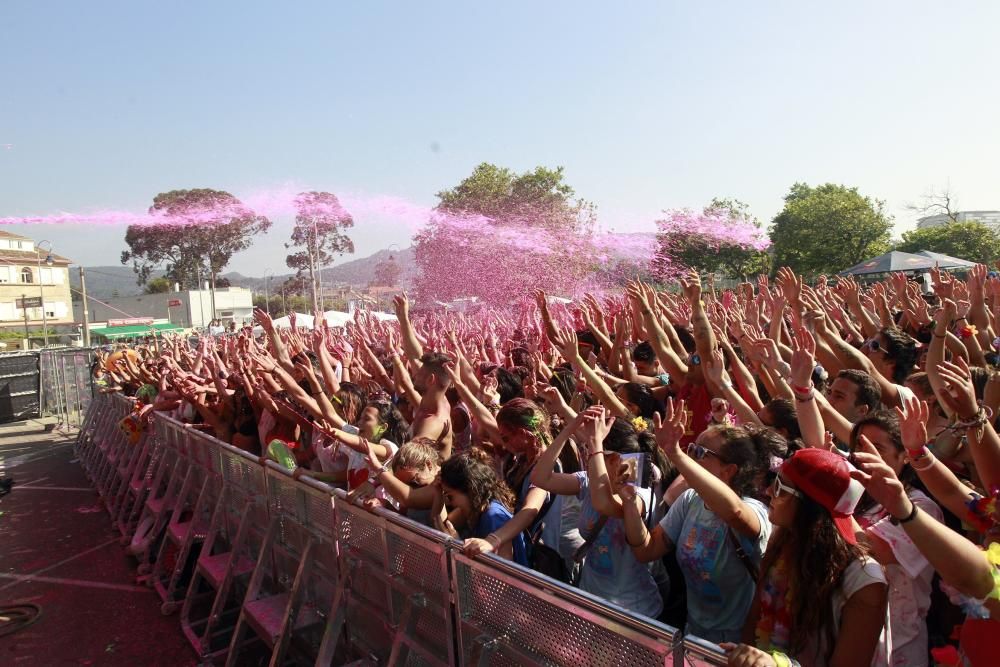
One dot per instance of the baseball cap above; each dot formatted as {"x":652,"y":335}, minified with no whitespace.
{"x":825,"y":477}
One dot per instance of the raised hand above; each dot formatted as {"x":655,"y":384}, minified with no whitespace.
{"x":567,"y":344}
{"x":959,"y":393}
{"x":691,"y":287}
{"x":715,"y":368}
{"x":401,"y":303}
{"x":671,"y":428}
{"x":803,"y":357}
{"x":596,"y":425}
{"x":913,"y":423}
{"x":879,"y":479}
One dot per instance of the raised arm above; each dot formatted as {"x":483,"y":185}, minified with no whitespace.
{"x":409,"y":337}
{"x":959,"y":562}
{"x":715,"y":493}
{"x":544,"y":476}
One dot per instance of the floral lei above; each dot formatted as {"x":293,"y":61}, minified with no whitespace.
{"x":773,"y":629}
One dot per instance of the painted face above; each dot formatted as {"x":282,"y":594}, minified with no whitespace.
{"x":646,"y":368}
{"x":708,"y":453}
{"x":629,"y":405}
{"x":515,"y":440}
{"x":416,"y":477}
{"x":876,"y":350}
{"x":421,"y":379}
{"x":369,"y":423}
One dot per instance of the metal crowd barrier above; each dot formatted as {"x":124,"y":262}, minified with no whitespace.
{"x":261,"y":560}
{"x":65,"y":383}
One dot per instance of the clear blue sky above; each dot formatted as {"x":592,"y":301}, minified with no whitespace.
{"x":648,"y":105}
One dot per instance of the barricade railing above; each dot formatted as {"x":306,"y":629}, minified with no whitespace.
{"x":65,"y":384}
{"x":319,"y":579}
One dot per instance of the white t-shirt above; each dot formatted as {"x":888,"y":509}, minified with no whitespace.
{"x":333,"y":459}
{"x":858,"y":575}
{"x":909,"y":584}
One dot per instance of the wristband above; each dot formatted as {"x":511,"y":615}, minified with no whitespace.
{"x":802,"y":390}
{"x":906,"y":519}
{"x":494,"y":541}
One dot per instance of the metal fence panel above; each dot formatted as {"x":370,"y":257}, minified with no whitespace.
{"x":409,"y":595}
{"x":19,"y":385}
{"x":512,"y":616}
{"x":361,"y":538}
{"x":420,"y":578}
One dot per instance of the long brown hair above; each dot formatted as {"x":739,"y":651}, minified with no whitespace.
{"x":817,"y":558}
{"x":472,"y":474}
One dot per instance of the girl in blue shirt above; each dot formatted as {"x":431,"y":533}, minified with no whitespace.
{"x":474,"y":502}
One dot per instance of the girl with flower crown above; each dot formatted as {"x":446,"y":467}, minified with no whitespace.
{"x":522,"y":428}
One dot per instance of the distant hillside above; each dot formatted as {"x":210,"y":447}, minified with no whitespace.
{"x":362,"y":271}
{"x":105,"y":282}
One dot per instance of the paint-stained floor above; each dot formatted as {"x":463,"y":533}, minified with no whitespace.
{"x":58,"y":550}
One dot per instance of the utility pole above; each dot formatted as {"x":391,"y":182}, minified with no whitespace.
{"x":86,"y":313}
{"x":24,"y":309}
{"x":41,"y":287}
{"x":267,"y":297}
{"x":312,"y":275}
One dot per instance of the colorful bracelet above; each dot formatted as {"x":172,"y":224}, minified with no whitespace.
{"x":780,"y":659}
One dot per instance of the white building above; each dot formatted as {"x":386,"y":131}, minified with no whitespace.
{"x":188,"y":309}
{"x":29,"y":274}
{"x":988,"y":218}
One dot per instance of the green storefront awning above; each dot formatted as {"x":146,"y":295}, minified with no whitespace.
{"x":134,"y":331}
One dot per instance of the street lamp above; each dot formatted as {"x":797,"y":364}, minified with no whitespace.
{"x":41,"y":288}
{"x":267,"y":298}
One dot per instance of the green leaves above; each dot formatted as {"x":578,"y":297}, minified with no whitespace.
{"x":200,"y":232}
{"x":972,"y":241}
{"x":828,"y":228}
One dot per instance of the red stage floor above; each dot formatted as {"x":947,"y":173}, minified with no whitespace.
{"x":57,"y":549}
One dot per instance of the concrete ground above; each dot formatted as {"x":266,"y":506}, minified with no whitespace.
{"x":58,"y":550}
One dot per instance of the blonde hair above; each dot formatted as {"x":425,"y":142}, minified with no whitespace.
{"x":417,"y":454}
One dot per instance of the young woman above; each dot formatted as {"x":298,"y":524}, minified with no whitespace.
{"x":474,"y":503}
{"x":718,"y":528}
{"x":553,"y":537}
{"x":908,"y":572}
{"x":609,"y":569}
{"x":821,"y":599}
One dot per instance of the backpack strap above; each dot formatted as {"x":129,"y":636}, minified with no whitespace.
{"x":743,"y":555}
{"x":588,"y":541}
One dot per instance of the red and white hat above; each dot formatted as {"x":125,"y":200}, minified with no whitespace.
{"x":825,"y":477}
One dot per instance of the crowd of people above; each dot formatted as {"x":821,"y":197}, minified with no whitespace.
{"x":803,"y":474}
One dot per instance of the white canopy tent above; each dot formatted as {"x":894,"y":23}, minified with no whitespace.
{"x":334,"y":318}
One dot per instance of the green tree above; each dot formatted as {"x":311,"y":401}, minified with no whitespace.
{"x":498,"y":235}
{"x":320,"y":222}
{"x":712,"y":254}
{"x":970,"y":240}
{"x":158,"y":286}
{"x":828,"y":228}
{"x":201,"y":231}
